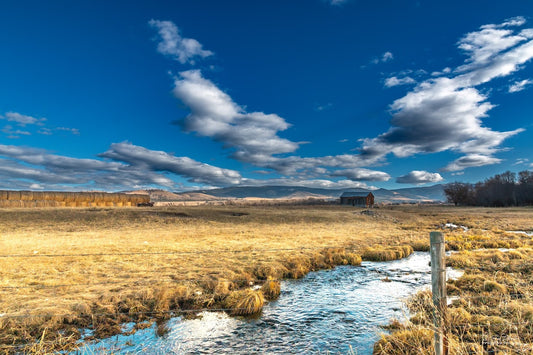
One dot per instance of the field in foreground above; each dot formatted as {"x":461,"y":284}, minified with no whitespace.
{"x":66,"y":269}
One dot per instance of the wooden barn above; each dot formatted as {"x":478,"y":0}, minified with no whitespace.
{"x":352,"y":199}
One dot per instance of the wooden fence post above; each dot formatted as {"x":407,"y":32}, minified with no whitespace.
{"x":438,"y":288}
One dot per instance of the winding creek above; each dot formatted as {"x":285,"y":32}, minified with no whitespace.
{"x":335,"y":311}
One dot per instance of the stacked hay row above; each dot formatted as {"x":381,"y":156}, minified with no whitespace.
{"x":69,"y":199}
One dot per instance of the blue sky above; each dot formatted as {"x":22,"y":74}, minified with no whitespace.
{"x":180,"y":95}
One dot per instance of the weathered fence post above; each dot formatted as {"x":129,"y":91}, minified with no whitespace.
{"x":438,"y":288}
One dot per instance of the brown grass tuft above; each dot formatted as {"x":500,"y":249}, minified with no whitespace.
{"x":354,"y":259}
{"x":294,"y":240}
{"x":245,"y":302}
{"x":271,"y":289}
{"x":409,"y":341}
{"x":493,"y":286}
{"x":420,"y":244}
{"x":386,"y":253}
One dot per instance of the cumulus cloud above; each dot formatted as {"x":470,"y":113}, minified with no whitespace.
{"x":471,"y":160}
{"x":152,"y":160}
{"x":385,"y":57}
{"x":445,"y":113}
{"x":444,"y":71}
{"x":38,"y":166}
{"x":253,"y":135}
{"x":310,"y":183}
{"x":338,"y":2}
{"x":521,"y":161}
{"x":172,"y":44}
{"x":481,"y":46}
{"x":23,"y":120}
{"x":395,"y":81}
{"x":419,"y":177}
{"x":361,"y":174}
{"x":323,"y":107}
{"x":13,"y":133}
{"x":312,"y":166}
{"x":74,"y":131}
{"x":133,"y":167}
{"x":520,"y":85}
{"x":127,"y":166}
{"x":513,"y":21}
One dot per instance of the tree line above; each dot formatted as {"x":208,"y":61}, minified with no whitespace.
{"x":501,"y":190}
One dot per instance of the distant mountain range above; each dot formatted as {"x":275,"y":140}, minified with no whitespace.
{"x":430,"y":193}
{"x":408,"y":195}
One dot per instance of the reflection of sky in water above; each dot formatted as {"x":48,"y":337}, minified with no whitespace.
{"x":328,"y":310}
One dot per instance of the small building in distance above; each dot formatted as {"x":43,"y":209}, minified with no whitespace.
{"x":352,"y":199}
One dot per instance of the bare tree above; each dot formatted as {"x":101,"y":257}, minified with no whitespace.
{"x":458,"y":193}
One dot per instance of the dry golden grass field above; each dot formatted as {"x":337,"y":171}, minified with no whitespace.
{"x":67,"y":269}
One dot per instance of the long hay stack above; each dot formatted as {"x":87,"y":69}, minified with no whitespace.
{"x":30,"y":199}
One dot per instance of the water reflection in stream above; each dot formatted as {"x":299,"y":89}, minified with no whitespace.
{"x":326,"y":311}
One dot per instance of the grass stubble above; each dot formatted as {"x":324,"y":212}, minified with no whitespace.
{"x":491,"y":308}
{"x":63,"y":270}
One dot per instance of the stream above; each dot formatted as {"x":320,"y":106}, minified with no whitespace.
{"x":329,"y":311}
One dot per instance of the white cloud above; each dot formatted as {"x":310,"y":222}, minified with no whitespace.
{"x":22,"y":166}
{"x":45,"y":131}
{"x":253,"y":135}
{"x":338,"y":2}
{"x":521,"y":161}
{"x":132,"y":167}
{"x":160,"y":161}
{"x":471,"y":160}
{"x":445,"y":113}
{"x":419,"y":177}
{"x":361,"y":174}
{"x":23,"y":120}
{"x":74,"y":131}
{"x":14,"y":133}
{"x":511,"y":22}
{"x":172,"y":44}
{"x":395,"y":81}
{"x":520,"y":85}
{"x":323,"y":107}
{"x":386,"y":57}
{"x":528,"y":33}
{"x":446,"y":70}
{"x":311,"y":183}
{"x":313,"y":166}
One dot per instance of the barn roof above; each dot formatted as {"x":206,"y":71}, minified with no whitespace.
{"x":354,"y":194}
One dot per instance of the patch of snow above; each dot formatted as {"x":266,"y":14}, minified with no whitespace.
{"x":529,"y":234}
{"x":454,"y":226}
